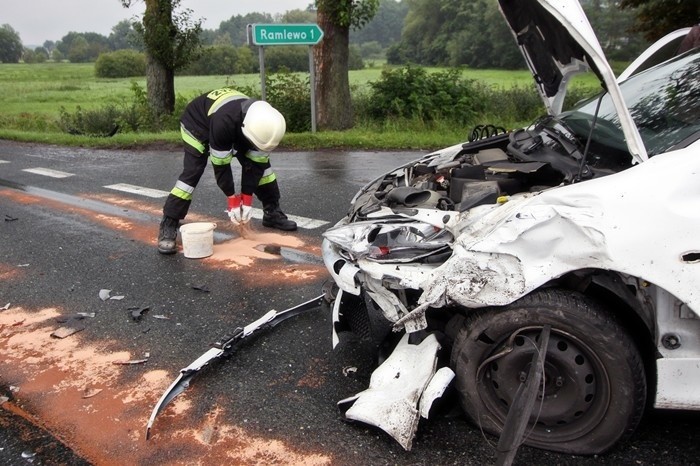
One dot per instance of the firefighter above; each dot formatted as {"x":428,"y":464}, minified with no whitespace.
{"x":219,"y":126}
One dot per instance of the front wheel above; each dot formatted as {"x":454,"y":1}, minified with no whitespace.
{"x":594,"y":387}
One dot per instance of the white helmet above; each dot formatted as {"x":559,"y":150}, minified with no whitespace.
{"x":263,"y":126}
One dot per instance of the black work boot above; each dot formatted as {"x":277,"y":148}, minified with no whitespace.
{"x":167,"y":235}
{"x":273,"y":217}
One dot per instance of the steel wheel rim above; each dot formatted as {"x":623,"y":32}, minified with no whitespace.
{"x":576,"y":392}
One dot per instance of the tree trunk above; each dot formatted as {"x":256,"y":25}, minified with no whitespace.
{"x":160,"y":87}
{"x":160,"y":74}
{"x":332,"y":86}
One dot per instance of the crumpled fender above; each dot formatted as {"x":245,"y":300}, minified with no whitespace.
{"x":408,"y":376}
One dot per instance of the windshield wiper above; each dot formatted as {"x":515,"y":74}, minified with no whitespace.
{"x":566,"y":141}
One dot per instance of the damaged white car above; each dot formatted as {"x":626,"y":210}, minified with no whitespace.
{"x":571,"y":247}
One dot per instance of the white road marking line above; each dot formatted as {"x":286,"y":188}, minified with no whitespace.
{"x":302,"y":222}
{"x":308,"y":223}
{"x":4,"y":161}
{"x":133,"y":189}
{"x":48,"y":172}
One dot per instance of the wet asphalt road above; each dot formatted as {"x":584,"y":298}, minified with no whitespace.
{"x":57,"y":251}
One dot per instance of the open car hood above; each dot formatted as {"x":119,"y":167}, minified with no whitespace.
{"x":558,"y":42}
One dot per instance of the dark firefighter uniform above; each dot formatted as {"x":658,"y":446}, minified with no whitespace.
{"x":211,"y":129}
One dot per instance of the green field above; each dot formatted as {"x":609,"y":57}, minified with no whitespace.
{"x":32,"y":96}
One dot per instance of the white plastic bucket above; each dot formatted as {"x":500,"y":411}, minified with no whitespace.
{"x":198,"y":239}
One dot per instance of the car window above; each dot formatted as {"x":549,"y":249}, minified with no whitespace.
{"x":664,"y":102}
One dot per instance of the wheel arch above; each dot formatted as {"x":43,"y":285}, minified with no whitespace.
{"x":616,"y":293}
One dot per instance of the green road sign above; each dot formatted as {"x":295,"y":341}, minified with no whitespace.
{"x":286,"y":34}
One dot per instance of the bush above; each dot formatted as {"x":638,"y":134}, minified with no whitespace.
{"x":221,"y":59}
{"x":355,"y":61}
{"x":372,"y":50}
{"x":120,"y":64}
{"x":410,"y":92}
{"x":415,"y":97}
{"x":101,"y":122}
{"x":289,"y":58}
{"x":131,"y":116}
{"x":514,"y":104}
{"x":520,"y":105}
{"x":291,"y":95}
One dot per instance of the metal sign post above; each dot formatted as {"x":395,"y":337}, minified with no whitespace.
{"x":309,"y":34}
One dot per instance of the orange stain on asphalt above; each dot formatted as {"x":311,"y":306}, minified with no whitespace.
{"x":241,"y":253}
{"x":100,"y":408}
{"x":20,"y":197}
{"x":8,"y":271}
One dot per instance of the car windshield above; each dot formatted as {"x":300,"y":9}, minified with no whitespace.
{"x":664,"y":102}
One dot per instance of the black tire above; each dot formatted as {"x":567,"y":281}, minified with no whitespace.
{"x":595,"y":386}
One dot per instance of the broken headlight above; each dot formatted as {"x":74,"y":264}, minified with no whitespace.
{"x":394,"y":242}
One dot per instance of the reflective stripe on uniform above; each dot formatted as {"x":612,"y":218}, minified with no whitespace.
{"x":191,"y":140}
{"x":221,"y":97}
{"x":183,"y":191}
{"x":220,"y":157}
{"x":268,"y":177}
{"x":258,"y":157}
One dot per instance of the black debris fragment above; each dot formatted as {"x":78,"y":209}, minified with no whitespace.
{"x":9,"y":218}
{"x":72,"y":318}
{"x":130,"y":362}
{"x":202,"y":288}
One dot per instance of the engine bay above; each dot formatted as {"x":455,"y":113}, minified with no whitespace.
{"x":482,"y":171}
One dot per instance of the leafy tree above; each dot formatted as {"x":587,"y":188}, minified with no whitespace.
{"x":221,"y":40}
{"x":612,"y":26}
{"x":386,"y":25}
{"x":41,"y":54}
{"x":171,"y":41}
{"x":10,"y":45}
{"x":236,"y":26}
{"x":209,"y":37}
{"x":124,"y":36}
{"x":656,"y":18}
{"x":28,"y":55}
{"x":299,"y":16}
{"x":56,"y":55}
{"x":49,"y":46}
{"x":427,"y":27}
{"x":485,"y":41}
{"x":332,"y":86}
{"x":79,"y":51}
{"x":81,"y":47}
{"x":453,"y":33}
{"x":38,"y":55}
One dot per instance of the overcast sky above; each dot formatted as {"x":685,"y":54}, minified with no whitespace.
{"x":37,"y":21}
